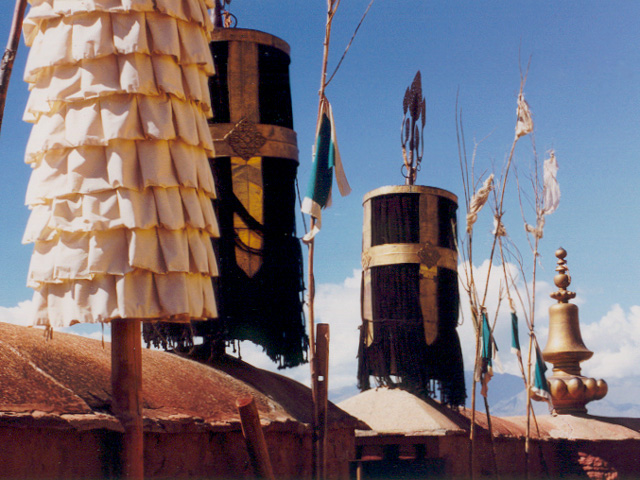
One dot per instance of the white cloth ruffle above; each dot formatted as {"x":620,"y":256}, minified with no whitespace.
{"x":132,"y":165}
{"x":121,"y":187}
{"x":82,"y":256}
{"x":71,"y":40}
{"x":124,"y":74}
{"x":139,"y":294}
{"x":125,"y":117}
{"x":169,"y":208}
{"x":44,"y":11}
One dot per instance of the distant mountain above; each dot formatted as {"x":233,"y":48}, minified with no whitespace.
{"x":517,"y":406}
{"x":605,"y":408}
{"x":502,"y":389}
{"x":340,"y":394}
{"x":507,"y":398}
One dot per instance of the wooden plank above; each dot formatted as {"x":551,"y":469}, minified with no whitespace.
{"x":243,"y":82}
{"x":429,"y":236}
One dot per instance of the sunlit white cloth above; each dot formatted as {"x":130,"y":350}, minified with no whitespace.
{"x":551,"y":188}
{"x":120,"y":193}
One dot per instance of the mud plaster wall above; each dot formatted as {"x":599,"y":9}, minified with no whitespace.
{"x":42,"y":453}
{"x":553,"y":458}
{"x":449,"y":456}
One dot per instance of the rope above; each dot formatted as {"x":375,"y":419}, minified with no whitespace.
{"x":349,"y":44}
{"x":498,"y":227}
{"x":304,"y":222}
{"x":538,"y":230}
{"x":478,"y":201}
{"x":524,"y":126}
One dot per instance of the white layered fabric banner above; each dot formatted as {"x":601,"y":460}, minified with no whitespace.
{"x":120,"y":193}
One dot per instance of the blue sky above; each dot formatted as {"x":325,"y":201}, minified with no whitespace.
{"x":584,"y":91}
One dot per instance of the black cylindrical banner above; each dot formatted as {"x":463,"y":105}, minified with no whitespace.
{"x":259,"y":288}
{"x":410,"y":294}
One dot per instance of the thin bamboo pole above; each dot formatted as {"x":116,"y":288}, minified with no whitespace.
{"x":491,"y":439}
{"x":254,"y":437}
{"x":528,"y":429}
{"x":316,"y":469}
{"x":10,"y":53}
{"x":126,"y":387}
{"x":472,"y":428}
{"x":529,"y":362}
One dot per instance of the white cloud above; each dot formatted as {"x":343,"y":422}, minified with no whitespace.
{"x":502,"y":331}
{"x":339,"y":306}
{"x":90,"y":330}
{"x":21,"y":314}
{"x":615,"y":341}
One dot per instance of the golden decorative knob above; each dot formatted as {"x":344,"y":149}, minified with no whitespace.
{"x":570,"y":391}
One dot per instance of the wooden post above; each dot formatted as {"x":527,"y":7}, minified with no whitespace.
{"x":322,"y":379}
{"x":252,"y":431}
{"x":126,"y":387}
{"x":10,"y":53}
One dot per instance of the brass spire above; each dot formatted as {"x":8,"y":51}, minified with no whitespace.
{"x":570,"y":391}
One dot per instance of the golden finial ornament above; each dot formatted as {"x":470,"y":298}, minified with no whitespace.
{"x":412,"y":131}
{"x":570,"y":391}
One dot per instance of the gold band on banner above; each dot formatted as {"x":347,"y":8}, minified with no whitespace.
{"x":280,"y":142}
{"x":243,"y":81}
{"x":418,"y":189}
{"x":430,"y":258}
{"x":427,"y":255}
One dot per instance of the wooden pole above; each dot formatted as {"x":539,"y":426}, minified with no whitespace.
{"x":254,"y":437}
{"x":322,"y":380}
{"x":126,"y":387}
{"x":10,"y":53}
